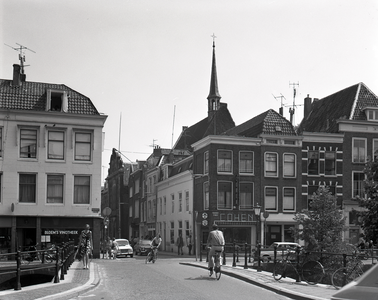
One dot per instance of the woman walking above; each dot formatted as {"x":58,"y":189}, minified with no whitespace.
{"x":85,"y":245}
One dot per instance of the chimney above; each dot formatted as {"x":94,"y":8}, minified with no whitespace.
{"x":307,"y":107}
{"x":281,"y":111}
{"x":16,"y":75}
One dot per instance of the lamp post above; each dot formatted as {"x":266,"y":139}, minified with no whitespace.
{"x":258,"y":225}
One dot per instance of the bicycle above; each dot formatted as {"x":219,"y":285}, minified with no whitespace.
{"x":152,"y":255}
{"x":217,"y":264}
{"x":312,"y":271}
{"x":35,"y":255}
{"x":344,"y":275}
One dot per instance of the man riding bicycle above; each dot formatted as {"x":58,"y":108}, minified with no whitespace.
{"x":215,"y":242}
{"x":155,"y":244}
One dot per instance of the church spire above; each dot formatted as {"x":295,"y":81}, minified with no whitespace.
{"x":214,"y":96}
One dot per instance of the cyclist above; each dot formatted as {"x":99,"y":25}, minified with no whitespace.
{"x":215,"y":242}
{"x":155,"y":244}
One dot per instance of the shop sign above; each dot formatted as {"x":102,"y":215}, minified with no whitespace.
{"x":236,"y":217}
{"x":48,"y":232}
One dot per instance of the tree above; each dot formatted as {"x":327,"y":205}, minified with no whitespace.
{"x":320,"y":226}
{"x":369,"y":216}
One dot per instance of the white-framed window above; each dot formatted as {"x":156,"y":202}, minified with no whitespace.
{"x":288,"y":200}
{"x":55,"y":188}
{"x":82,"y":189}
{"x":224,"y":195}
{"x":206,"y":196}
{"x":137,"y":183}
{"x":330,"y":163}
{"x":83,"y":146}
{"x":372,"y":115}
{"x":206,"y":162}
{"x":289,"y":165}
{"x":224,"y":161}
{"x":359,"y":150}
{"x":271,"y":164}
{"x":173,"y":203}
{"x":27,"y":188}
{"x":28,"y":143}
{"x":55,"y":144}
{"x":246,"y":195}
{"x":358,"y":184}
{"x":271,"y":198}
{"x":313,"y":162}
{"x":246,"y":162}
{"x":56,"y":100}
{"x":180,"y":201}
{"x":375,"y":149}
{"x":187,"y":200}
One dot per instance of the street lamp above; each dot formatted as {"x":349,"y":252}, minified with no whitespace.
{"x":258,"y":225}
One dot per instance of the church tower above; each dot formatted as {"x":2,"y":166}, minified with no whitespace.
{"x":214,"y":97}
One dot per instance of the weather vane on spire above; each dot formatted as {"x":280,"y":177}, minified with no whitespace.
{"x":214,"y":37}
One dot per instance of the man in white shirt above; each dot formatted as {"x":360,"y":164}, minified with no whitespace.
{"x":215,"y":242}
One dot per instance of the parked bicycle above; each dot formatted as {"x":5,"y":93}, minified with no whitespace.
{"x":152,"y":255}
{"x":311,"y":271}
{"x":350,"y":272}
{"x":32,"y":254}
{"x":217,"y":264}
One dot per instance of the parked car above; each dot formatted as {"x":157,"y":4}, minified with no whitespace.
{"x":267,"y":254}
{"x":142,"y":247}
{"x":124,"y":248}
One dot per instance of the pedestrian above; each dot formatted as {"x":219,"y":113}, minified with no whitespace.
{"x":85,"y":245}
{"x":108,"y":248}
{"x":114,"y":248}
{"x":180,"y":244}
{"x":189,"y":243}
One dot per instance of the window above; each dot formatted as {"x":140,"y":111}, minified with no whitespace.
{"x":137,"y":183}
{"x":187,"y":229}
{"x":1,"y":184}
{"x":161,"y":206}
{"x":330,"y":163}
{"x":154,"y":208}
{"x":180,"y":201}
{"x":206,"y":162}
{"x":311,"y":190}
{"x":28,"y":184}
{"x":131,"y":191}
{"x":55,"y":145}
{"x":313,"y":163}
{"x":271,"y":164}
{"x":270,"y":198}
{"x":288,"y":199}
{"x":57,"y":100}
{"x":246,"y":162}
{"x":172,"y":232}
{"x":358,"y":184}
{"x":1,"y":142}
{"x":187,"y":200}
{"x":224,"y":161}
{"x":224,"y":195}
{"x":206,"y":195}
{"x":28,"y":143}
{"x":359,"y":150}
{"x":372,"y":115}
{"x":82,"y":189}
{"x":165,"y":205}
{"x":83,"y":142}
{"x":375,"y":150}
{"x":173,"y":203}
{"x":136,"y":208}
{"x":289,"y":165}
{"x":54,"y":188}
{"x":246,"y":195}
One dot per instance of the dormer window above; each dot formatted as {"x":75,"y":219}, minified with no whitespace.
{"x":371,"y":113}
{"x":56,"y":100}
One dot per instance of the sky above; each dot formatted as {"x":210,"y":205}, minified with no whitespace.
{"x":146,"y":64}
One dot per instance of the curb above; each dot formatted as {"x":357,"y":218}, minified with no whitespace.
{"x":280,"y":291}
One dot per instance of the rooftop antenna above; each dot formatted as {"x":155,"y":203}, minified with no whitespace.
{"x":21,"y":55}
{"x":153,"y":143}
{"x":292,"y":109}
{"x":173,"y":126}
{"x":281,"y":97}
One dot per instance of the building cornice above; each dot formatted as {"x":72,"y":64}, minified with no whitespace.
{"x":323,"y":137}
{"x":357,"y":126}
{"x":226,"y":140}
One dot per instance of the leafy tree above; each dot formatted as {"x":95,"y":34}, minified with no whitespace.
{"x":320,"y":226}
{"x":369,"y":216}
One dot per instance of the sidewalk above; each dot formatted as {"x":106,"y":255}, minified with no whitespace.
{"x":78,"y":281}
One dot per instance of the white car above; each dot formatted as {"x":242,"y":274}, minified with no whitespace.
{"x":267,"y":254}
{"x":124,"y":248}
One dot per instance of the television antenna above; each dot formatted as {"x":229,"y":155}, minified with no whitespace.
{"x":292,"y":109}
{"x":21,"y":55}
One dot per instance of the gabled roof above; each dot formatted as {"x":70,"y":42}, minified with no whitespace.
{"x":32,"y":96}
{"x":345,"y":104}
{"x":269,"y":122}
{"x":217,"y":124}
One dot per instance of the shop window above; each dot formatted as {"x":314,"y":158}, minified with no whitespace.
{"x":246,"y":195}
{"x":289,"y":165}
{"x":55,"y":188}
{"x":224,"y":161}
{"x":28,"y":143}
{"x":206,"y":195}
{"x":270,"y":198}
{"x":224,"y":195}
{"x":288,"y":199}
{"x":313,"y":163}
{"x":246,"y":162}
{"x":358,"y":184}
{"x":359,"y":150}
{"x":27,"y":188}
{"x":271,"y":164}
{"x":55,"y":145}
{"x":82,"y":188}
{"x":206,"y":162}
{"x":83,"y":146}
{"x":330,"y":163}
